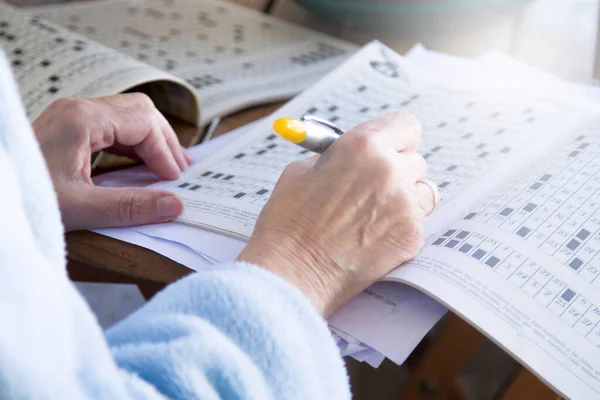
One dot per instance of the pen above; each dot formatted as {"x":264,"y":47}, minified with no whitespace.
{"x":309,"y":132}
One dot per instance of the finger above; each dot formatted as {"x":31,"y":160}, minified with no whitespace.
{"x":187,"y":155}
{"x":142,"y":101}
{"x":135,"y":122}
{"x":412,"y":165}
{"x":172,"y":141}
{"x":428,"y":195}
{"x":399,"y":130}
{"x":114,"y":207}
{"x":151,"y":147}
{"x":140,"y":129}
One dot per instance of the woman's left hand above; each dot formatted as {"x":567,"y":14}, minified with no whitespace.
{"x":70,"y":130}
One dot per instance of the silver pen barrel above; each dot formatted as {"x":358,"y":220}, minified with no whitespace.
{"x":318,"y":137}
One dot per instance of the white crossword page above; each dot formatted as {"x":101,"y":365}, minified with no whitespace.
{"x":232,"y":55}
{"x":524,"y":265}
{"x":466,"y":137}
{"x":50,"y":62}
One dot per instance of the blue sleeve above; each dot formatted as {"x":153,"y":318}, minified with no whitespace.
{"x":233,"y":332}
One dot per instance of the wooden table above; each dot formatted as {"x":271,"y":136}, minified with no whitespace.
{"x":556,"y":35}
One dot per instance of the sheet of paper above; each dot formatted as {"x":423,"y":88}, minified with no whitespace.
{"x":389,"y":317}
{"x":530,"y":258}
{"x":451,"y":68}
{"x":350,"y":318}
{"x":173,"y":250}
{"x":536,"y":76}
{"x":49,"y":62}
{"x":214,"y":246}
{"x":522,"y":265}
{"x":493,"y":70}
{"x":233,"y":56}
{"x":350,"y":346}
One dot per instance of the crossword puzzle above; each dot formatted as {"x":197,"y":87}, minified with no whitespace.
{"x":46,"y":60}
{"x":208,"y":43}
{"x":533,"y":279}
{"x":559,"y":210}
{"x":453,"y":124}
{"x":28,"y":53}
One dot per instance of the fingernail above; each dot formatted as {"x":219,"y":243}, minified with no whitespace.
{"x":188,"y":156}
{"x":168,"y":207}
{"x":176,"y":168}
{"x":182,"y":162}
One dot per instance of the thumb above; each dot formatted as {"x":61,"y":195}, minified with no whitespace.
{"x":113,"y":207}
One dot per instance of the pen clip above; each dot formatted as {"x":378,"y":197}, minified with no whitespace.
{"x":320,"y":121}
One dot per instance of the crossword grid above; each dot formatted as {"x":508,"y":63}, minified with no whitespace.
{"x":46,"y":60}
{"x":36,"y":96}
{"x":559,"y":210}
{"x":465,"y":126}
{"x":205,"y":42}
{"x":463,"y":123}
{"x":272,"y":154}
{"x":537,"y":282}
{"x":28,"y":53}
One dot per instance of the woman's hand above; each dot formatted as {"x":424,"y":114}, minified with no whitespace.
{"x":339,"y":222}
{"x":70,"y":130}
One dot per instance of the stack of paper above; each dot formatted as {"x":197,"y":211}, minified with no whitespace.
{"x":368,"y":328}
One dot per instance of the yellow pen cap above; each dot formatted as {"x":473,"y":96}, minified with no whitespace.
{"x":290,"y":129}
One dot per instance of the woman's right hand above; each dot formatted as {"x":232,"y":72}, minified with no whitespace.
{"x":338,"y":222}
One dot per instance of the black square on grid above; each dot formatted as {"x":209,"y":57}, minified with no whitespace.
{"x":575,"y":263}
